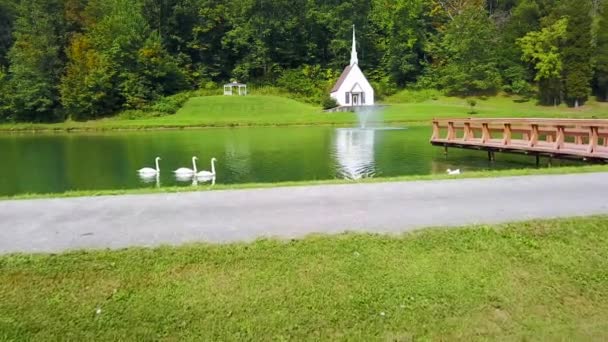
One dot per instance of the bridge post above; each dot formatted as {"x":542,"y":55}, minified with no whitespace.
{"x":435,"y":130}
{"x":485,"y":133}
{"x":559,"y":139}
{"x":451,"y":131}
{"x":467,"y":131}
{"x":593,"y":138}
{"x":534,"y":135}
{"x":506,"y":135}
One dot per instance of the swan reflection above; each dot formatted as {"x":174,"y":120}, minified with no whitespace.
{"x":150,"y":178}
{"x":203,"y":179}
{"x":195,"y":180}
{"x":354,"y":151}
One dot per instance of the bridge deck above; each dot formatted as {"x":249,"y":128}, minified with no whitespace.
{"x":559,"y":138}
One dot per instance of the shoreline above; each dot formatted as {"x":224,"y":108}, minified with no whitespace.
{"x":81,"y":129}
{"x":228,"y":187}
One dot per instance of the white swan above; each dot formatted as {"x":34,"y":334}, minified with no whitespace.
{"x":148,"y":171}
{"x":184,"y":171}
{"x":207,"y":174}
{"x":453,"y":172}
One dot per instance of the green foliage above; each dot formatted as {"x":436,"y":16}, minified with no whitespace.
{"x":5,"y":110}
{"x":472,"y":103}
{"x":92,"y":58}
{"x":414,"y":96}
{"x":35,"y":61}
{"x":468,"y":60}
{"x":601,"y":53}
{"x":329,"y":102}
{"x":407,"y":27}
{"x":524,"y":18}
{"x":7,"y":18}
{"x":118,"y":63}
{"x":543,"y":49}
{"x":577,"y":52}
{"x":309,"y":83}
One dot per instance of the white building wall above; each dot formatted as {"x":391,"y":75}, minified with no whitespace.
{"x":354,"y":76}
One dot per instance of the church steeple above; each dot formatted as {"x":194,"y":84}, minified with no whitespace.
{"x":353,"y":54}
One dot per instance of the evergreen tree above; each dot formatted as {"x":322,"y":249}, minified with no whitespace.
{"x":601,"y":53}
{"x":7,"y":17}
{"x":35,"y":61}
{"x":577,"y":52}
{"x":514,"y":24}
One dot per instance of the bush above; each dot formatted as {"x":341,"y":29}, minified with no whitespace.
{"x":414,"y":96}
{"x":329,"y":102}
{"x":472,"y":103}
{"x":170,"y":104}
{"x":309,"y":83}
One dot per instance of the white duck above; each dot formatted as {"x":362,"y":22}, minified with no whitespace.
{"x":207,"y":174}
{"x":453,"y":172}
{"x":184,"y":171}
{"x":148,"y":171}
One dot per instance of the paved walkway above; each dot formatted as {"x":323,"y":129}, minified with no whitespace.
{"x":51,"y":225}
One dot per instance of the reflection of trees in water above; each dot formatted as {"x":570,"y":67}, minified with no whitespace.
{"x":354,"y":152}
{"x":237,"y":157}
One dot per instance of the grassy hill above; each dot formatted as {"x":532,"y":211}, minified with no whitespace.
{"x":268,"y":110}
{"x":423,"y":106}
{"x":245,"y":110}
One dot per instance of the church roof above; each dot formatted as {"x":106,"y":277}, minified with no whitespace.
{"x":341,"y":79}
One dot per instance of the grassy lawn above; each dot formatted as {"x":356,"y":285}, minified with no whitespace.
{"x":539,"y":280}
{"x":499,"y":106}
{"x":266,"y":110}
{"x":433,"y":177}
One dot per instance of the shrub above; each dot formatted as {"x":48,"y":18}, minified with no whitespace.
{"x":329,"y":102}
{"x":472,"y":103}
{"x":414,"y":96}
{"x":170,"y":104}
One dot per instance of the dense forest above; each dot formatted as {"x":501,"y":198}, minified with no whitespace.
{"x":84,"y":59}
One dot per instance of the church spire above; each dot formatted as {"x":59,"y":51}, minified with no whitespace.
{"x":353,"y":55}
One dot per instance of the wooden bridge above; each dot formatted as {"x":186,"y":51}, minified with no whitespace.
{"x":559,"y":138}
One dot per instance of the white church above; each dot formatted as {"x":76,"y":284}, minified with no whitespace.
{"x":352,"y":88}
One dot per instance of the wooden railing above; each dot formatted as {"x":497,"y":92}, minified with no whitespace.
{"x":570,"y":137}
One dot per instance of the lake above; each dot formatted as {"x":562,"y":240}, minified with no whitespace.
{"x":52,"y":163}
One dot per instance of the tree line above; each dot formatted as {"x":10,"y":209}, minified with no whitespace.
{"x":84,"y":59}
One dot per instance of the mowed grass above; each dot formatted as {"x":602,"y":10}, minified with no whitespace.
{"x":492,"y":107}
{"x":268,"y":110}
{"x":538,"y":280}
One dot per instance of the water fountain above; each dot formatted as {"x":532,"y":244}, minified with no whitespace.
{"x":354,"y":147}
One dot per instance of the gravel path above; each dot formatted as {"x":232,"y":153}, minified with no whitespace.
{"x":52,"y":225}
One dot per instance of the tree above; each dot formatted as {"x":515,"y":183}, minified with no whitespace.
{"x":467,"y":55}
{"x":514,"y":23}
{"x":543,"y":49}
{"x":118,"y":62}
{"x":35,"y":63}
{"x":601,"y":53}
{"x":7,"y":18}
{"x":577,"y":52}
{"x":406,"y":26}
{"x":5,"y":110}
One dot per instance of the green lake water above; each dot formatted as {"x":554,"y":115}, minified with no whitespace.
{"x":52,"y":163}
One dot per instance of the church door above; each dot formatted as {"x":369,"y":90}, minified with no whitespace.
{"x":355,"y":99}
